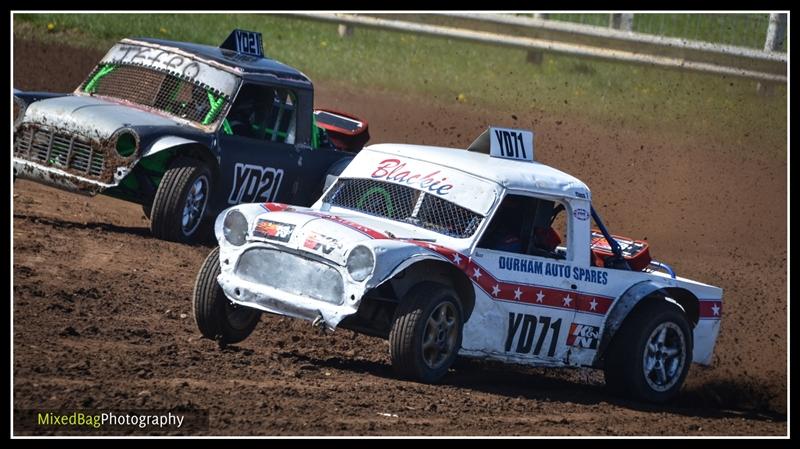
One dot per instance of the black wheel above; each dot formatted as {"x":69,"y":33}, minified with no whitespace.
{"x":216,"y":316}
{"x":426,"y":332}
{"x":649,"y":357}
{"x":179,"y":211}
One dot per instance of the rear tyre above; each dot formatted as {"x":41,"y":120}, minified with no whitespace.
{"x":180,"y":208}
{"x":426,"y":333}
{"x":649,"y":357}
{"x":216,"y":316}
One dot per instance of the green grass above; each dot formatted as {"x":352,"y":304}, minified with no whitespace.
{"x":586,"y":19}
{"x":746,"y":30}
{"x":488,"y":76}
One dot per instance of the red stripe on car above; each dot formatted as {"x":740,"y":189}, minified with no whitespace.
{"x":350,"y":224}
{"x":710,"y":309}
{"x":522,"y":293}
{"x":275,"y":207}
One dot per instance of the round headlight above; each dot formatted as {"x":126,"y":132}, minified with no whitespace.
{"x":234,"y":228}
{"x":360,"y":263}
{"x":126,"y":143}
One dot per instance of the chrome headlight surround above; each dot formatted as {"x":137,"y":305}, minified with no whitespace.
{"x":235,"y":227}
{"x":126,"y":142}
{"x":360,"y":263}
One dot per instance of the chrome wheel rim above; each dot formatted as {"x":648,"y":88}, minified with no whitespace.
{"x":440,"y":336}
{"x":664,"y":356}
{"x":195,"y":205}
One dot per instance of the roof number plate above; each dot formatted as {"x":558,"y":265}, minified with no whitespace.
{"x":511,"y":144}
{"x":245,"y":42}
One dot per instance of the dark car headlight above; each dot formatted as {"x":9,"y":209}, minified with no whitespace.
{"x":234,"y":228}
{"x":126,"y":143}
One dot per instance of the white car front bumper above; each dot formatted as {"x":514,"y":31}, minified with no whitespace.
{"x":286,"y":283}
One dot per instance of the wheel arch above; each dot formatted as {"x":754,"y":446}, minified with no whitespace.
{"x":633,"y":298}
{"x":176,"y":146}
{"x":436,"y":270}
{"x":166,"y":149}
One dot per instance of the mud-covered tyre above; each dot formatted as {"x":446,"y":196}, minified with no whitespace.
{"x":426,"y":332}
{"x":217,"y":317}
{"x":180,"y":208}
{"x":649,"y":357}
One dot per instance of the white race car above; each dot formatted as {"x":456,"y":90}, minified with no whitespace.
{"x":482,"y":253}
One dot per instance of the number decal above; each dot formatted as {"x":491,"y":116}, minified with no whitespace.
{"x":249,"y":43}
{"x":545,"y":320}
{"x":511,"y":144}
{"x":254,"y":183}
{"x":523,"y":328}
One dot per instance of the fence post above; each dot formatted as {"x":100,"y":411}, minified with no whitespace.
{"x":774,"y":42}
{"x":536,"y":56}
{"x":775,"y":32}
{"x":345,"y":30}
{"x":622,"y":22}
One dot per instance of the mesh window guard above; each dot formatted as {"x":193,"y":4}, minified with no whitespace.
{"x":404,"y":204}
{"x":162,"y":91}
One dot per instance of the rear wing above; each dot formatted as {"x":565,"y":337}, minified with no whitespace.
{"x":346,"y":132}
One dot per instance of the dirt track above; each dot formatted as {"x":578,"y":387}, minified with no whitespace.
{"x":102,"y":311}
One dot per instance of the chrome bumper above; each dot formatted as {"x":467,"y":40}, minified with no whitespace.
{"x":58,"y":178}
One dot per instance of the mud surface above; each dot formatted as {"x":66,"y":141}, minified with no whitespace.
{"x":102,"y":311}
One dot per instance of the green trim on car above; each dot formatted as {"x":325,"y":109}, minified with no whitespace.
{"x":91,"y":86}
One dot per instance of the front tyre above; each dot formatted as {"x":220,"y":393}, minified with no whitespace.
{"x":649,"y":357}
{"x":217,"y":317}
{"x":426,"y":333}
{"x":178,"y":213}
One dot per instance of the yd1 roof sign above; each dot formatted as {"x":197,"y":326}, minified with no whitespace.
{"x":511,"y":143}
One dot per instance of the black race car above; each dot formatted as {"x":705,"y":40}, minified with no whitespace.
{"x":186,"y":130}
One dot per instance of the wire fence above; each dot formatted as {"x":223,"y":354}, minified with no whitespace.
{"x":739,"y":29}
{"x":602,"y":36}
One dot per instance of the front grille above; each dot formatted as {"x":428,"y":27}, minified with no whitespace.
{"x":292,"y":274}
{"x":70,"y":152}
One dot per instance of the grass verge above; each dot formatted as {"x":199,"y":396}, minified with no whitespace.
{"x":724,"y":108}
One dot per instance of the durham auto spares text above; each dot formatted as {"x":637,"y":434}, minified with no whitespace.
{"x":93,"y":420}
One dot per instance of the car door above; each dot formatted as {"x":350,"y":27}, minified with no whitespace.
{"x":258,"y":159}
{"x":525,"y":300}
